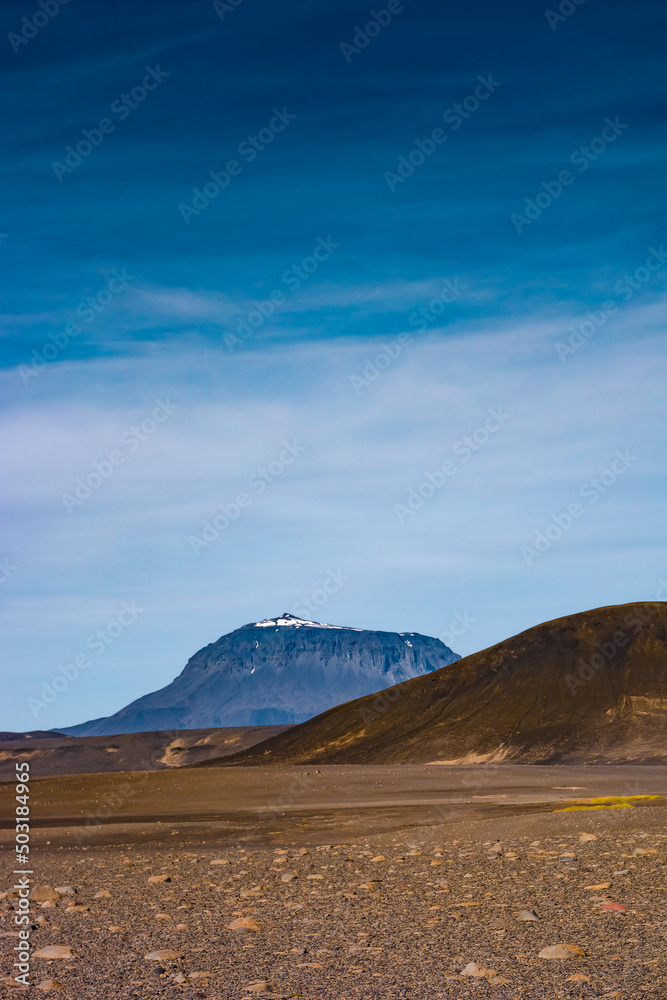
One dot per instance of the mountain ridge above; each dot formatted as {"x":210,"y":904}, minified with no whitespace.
{"x":585,"y":688}
{"x":279,"y":671}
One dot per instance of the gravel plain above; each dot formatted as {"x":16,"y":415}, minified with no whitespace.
{"x":421,"y":913}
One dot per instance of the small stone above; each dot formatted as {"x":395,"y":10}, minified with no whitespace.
{"x":164,"y":955}
{"x":614,"y":907}
{"x":50,"y":984}
{"x":568,"y":857}
{"x":287,"y":877}
{"x":159,"y":878}
{"x":102,"y":894}
{"x":587,"y":838}
{"x":44,"y":894}
{"x":562,"y":951}
{"x":178,"y":978}
{"x":199,"y":975}
{"x":115,"y":929}
{"x":527,"y":915}
{"x":181,"y":927}
{"x":314,"y":876}
{"x":221,"y":861}
{"x":578,"y":977}
{"x":597,"y":888}
{"x":55,"y":951}
{"x":163,"y":916}
{"x":474,"y":970}
{"x":498,"y":980}
{"x":244,"y":924}
{"x":66,"y":890}
{"x":379,"y":857}
{"x":261,"y":986}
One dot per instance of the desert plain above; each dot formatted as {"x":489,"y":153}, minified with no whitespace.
{"x":345,"y":882}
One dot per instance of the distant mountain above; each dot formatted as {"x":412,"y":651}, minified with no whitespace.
{"x":276,"y":672}
{"x":588,"y":688}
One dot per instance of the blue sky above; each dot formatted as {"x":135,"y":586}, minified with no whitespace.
{"x":518,"y":266}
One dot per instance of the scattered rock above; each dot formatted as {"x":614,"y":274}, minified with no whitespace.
{"x":602,"y":885}
{"x":527,"y":915}
{"x":65,"y":890}
{"x":379,"y":857}
{"x":55,"y":951}
{"x":164,"y":955}
{"x":178,"y":978}
{"x":160,"y":878}
{"x":50,"y":984}
{"x":614,"y":907}
{"x":562,"y":951}
{"x":221,"y":861}
{"x":476,"y":971}
{"x":102,"y":894}
{"x":44,"y":894}
{"x":261,"y":986}
{"x":244,"y":924}
{"x":578,"y":977}
{"x":587,"y":838}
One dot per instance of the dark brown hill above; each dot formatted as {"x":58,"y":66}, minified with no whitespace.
{"x":590,"y":687}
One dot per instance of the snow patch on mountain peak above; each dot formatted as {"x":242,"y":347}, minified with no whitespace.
{"x":292,"y":621}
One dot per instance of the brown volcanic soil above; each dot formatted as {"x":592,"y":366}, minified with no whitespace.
{"x":51,"y":754}
{"x":343,"y":913}
{"x":587,"y":688}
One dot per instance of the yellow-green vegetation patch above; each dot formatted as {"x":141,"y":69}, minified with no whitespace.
{"x":607,"y":802}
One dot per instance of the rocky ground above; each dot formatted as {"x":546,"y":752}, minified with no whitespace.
{"x":416,"y":915}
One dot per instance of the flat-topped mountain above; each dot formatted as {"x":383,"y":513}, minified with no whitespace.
{"x":587,"y":688}
{"x":276,"y":672}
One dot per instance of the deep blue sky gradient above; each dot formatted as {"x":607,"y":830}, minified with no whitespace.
{"x":166,"y":334}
